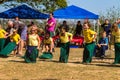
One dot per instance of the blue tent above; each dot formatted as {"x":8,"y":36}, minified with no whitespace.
{"x":74,"y":12}
{"x":23,"y":12}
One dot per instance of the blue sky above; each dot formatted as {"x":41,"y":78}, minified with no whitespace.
{"x":95,"y":6}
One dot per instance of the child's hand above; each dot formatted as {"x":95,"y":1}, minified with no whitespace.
{"x":99,"y":45}
{"x":11,"y":40}
{"x":6,"y":36}
{"x":38,"y":48}
{"x":51,"y":51}
{"x":43,"y":50}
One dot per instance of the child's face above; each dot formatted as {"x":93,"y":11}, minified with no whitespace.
{"x":33,"y":31}
{"x":103,"y":35}
{"x":47,"y":36}
{"x":63,"y":30}
{"x":85,"y":26}
{"x":14,"y":32}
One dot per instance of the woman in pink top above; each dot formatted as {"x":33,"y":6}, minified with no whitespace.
{"x":51,"y":23}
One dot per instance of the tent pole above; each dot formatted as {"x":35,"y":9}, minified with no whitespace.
{"x":97,"y":31}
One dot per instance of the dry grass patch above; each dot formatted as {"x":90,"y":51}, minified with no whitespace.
{"x":14,"y":68}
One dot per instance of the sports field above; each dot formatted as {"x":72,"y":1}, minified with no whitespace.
{"x":14,"y":68}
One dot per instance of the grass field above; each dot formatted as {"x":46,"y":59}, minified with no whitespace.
{"x":14,"y":68}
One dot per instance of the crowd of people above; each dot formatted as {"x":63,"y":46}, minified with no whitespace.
{"x":19,"y":36}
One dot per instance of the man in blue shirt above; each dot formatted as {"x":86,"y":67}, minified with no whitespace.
{"x":102,"y":45}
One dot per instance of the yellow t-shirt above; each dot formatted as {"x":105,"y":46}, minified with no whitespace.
{"x":65,"y":37}
{"x":33,"y":41}
{"x":15,"y":38}
{"x":117,"y":36}
{"x":88,"y":35}
{"x":2,"y":33}
{"x":48,"y":41}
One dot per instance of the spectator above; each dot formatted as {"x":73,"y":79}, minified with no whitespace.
{"x":9,"y":30}
{"x":118,"y":22}
{"x":102,"y":46}
{"x":106,"y":27}
{"x":51,"y":23}
{"x":78,"y":30}
{"x":65,"y":26}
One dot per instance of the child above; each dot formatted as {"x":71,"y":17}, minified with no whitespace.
{"x":65,"y":38}
{"x":116,"y":34}
{"x":89,"y":37}
{"x":2,"y":37}
{"x":15,"y":37}
{"x":48,"y":44}
{"x":102,"y":45}
{"x":33,"y":44}
{"x":11,"y":45}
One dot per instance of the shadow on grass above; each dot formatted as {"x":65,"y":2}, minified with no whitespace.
{"x":49,"y":60}
{"x":50,"y":79}
{"x":110,"y":65}
{"x":55,"y":61}
{"x":101,"y":58}
{"x":78,"y":62}
{"x":2,"y":56}
{"x":17,"y":61}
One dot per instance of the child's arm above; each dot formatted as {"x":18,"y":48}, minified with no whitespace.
{"x":70,"y":36}
{"x":95,"y":36}
{"x":11,"y":39}
{"x":51,"y":45}
{"x":18,"y":39}
{"x":38,"y":38}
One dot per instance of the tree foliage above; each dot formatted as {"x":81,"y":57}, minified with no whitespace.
{"x":112,"y":14}
{"x":41,"y":5}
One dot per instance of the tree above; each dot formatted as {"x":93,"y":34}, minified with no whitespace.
{"x":112,"y":14}
{"x":41,"y":5}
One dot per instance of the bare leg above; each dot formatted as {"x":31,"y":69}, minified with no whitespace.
{"x":21,"y":45}
{"x":47,"y":48}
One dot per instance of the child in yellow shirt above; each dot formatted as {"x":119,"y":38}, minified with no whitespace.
{"x":65,"y":38}
{"x":33,"y":45}
{"x":2,"y":37}
{"x":48,"y":45}
{"x":89,"y":39}
{"x":15,"y":37}
{"x":11,"y":45}
{"x":116,"y":34}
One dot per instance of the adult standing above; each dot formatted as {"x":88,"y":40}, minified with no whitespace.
{"x":51,"y":23}
{"x":23,"y":36}
{"x":106,"y":27}
{"x":65,"y":25}
{"x":9,"y":30}
{"x":78,"y":30}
